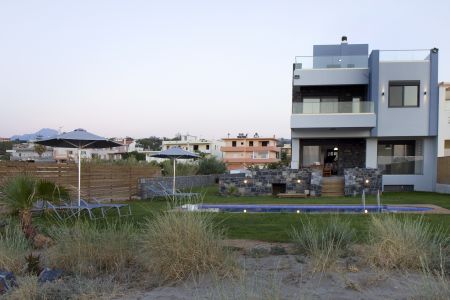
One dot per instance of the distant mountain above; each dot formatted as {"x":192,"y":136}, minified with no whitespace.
{"x":44,"y":133}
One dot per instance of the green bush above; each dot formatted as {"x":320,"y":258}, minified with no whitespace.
{"x":183,"y":169}
{"x":211,"y":165}
{"x":14,"y":247}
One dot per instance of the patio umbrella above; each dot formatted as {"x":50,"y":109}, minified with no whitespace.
{"x":80,"y":139}
{"x":174,"y":154}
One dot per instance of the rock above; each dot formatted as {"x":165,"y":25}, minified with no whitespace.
{"x":49,"y":275}
{"x":7,"y":281}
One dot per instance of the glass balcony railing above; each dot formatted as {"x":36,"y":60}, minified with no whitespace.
{"x":331,"y":62}
{"x":333,"y":107}
{"x":404,"y":55}
{"x":398,"y":165}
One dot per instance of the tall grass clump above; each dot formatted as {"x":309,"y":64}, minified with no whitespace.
{"x":92,"y":249}
{"x":179,"y":244}
{"x":406,"y":243}
{"x":14,"y":247}
{"x":324,"y":242}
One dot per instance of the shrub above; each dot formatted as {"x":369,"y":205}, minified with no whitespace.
{"x":14,"y":247}
{"x":92,"y":249}
{"x":323,"y":242}
{"x":183,"y":169}
{"x":211,"y":165}
{"x":405,"y":243}
{"x":178,"y":245}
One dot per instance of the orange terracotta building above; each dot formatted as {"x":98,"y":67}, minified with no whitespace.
{"x":242,"y":152}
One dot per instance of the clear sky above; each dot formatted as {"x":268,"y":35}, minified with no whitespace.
{"x":141,"y":68}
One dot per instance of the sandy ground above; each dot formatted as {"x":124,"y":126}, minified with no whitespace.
{"x":290,"y":276}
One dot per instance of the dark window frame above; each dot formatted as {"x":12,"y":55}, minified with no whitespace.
{"x":233,"y":143}
{"x":404,"y":83}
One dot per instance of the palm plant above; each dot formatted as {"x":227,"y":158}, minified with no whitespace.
{"x":20,"y":193}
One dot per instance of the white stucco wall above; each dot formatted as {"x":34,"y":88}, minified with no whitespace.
{"x":408,"y":121}
{"x":444,"y":121}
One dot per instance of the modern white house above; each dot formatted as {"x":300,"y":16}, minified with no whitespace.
{"x":194,"y":144}
{"x":379,"y":110}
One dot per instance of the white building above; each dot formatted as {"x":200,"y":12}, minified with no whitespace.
{"x":194,"y":144}
{"x":444,"y":119}
{"x":351,"y":109}
{"x":27,"y":152}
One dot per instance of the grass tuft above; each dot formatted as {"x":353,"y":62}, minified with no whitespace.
{"x":324,"y":242}
{"x":405,"y":243}
{"x":178,"y":245}
{"x":93,"y":249}
{"x":14,"y":247}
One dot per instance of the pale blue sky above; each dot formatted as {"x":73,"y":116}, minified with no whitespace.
{"x":141,"y":68}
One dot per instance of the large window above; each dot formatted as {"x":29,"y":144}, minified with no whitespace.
{"x":400,"y":157}
{"x":311,"y":156}
{"x":404,"y":93}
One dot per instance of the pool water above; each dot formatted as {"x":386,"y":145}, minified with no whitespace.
{"x":302,"y":208}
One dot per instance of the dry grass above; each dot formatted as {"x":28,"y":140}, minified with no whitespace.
{"x":323,"y":242}
{"x":71,"y":288}
{"x":92,"y":249}
{"x":178,"y":245}
{"x":405,"y":243}
{"x":14,"y":247}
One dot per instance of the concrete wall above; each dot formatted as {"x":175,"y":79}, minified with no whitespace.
{"x":338,"y":120}
{"x":408,"y":121}
{"x":331,"y":76}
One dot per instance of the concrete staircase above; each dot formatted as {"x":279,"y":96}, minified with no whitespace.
{"x":333,"y":186}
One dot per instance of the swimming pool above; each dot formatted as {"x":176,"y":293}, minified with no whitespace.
{"x":288,"y":208}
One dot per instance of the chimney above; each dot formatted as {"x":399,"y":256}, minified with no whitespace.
{"x":344,"y":40}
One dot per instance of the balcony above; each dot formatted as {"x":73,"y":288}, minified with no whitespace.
{"x":331,"y":70}
{"x":250,"y":149}
{"x":333,"y":115}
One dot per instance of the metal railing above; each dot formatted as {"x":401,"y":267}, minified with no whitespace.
{"x":405,"y":55}
{"x":333,"y":107}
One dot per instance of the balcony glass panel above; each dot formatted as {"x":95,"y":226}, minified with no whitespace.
{"x":331,"y":62}
{"x":313,"y":106}
{"x":400,"y":164}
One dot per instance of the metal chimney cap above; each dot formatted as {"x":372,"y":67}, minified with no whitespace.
{"x":344,"y":39}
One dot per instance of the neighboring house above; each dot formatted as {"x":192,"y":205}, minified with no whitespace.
{"x":27,"y":152}
{"x":287,"y":150}
{"x":4,"y":139}
{"x":444,"y":119}
{"x":193,"y":144}
{"x":351,"y":109}
{"x":242,"y":152}
{"x":70,"y":154}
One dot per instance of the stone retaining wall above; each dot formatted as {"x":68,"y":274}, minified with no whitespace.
{"x":359,"y":179}
{"x":182,"y":183}
{"x":260,"y":182}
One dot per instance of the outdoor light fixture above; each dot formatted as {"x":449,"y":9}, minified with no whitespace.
{"x":245,"y":210}
{"x":245,"y":181}
{"x":335,"y":149}
{"x":298,"y":181}
{"x":382,"y":93}
{"x":366,"y":211}
{"x":425,"y":92}
{"x":367,"y":180}
{"x":298,"y":211}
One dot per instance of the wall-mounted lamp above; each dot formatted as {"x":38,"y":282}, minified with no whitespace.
{"x":298,"y":181}
{"x":367,"y":181}
{"x":425,"y":92}
{"x":245,"y":181}
{"x":382,"y":93}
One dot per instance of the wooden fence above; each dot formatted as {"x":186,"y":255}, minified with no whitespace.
{"x":101,"y":181}
{"x":443,"y":170}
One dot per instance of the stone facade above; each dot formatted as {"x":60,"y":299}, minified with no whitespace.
{"x":182,"y":183}
{"x":351,"y":155}
{"x":260,"y":182}
{"x":359,"y":179}
{"x":316,"y":183}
